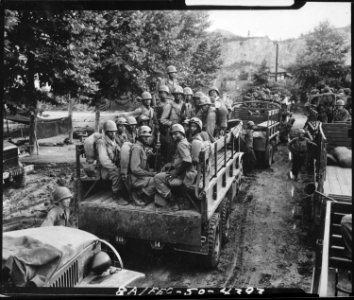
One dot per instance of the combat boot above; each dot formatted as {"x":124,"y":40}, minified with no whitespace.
{"x":136,"y":197}
{"x":120,"y":200}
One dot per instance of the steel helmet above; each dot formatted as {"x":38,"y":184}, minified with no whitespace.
{"x":143,"y":118}
{"x":302,"y":131}
{"x":187,"y":91}
{"x":109,"y":125}
{"x":144,"y":131}
{"x":178,"y":128}
{"x":214,"y":89}
{"x":340,"y":103}
{"x":326,"y":89}
{"x":132,"y":121}
{"x":340,"y":91}
{"x":250,"y":123}
{"x":347,"y":91}
{"x":197,"y":121}
{"x":171,"y":69}
{"x":199,"y":95}
{"x":205,"y":101}
{"x":146,"y":96}
{"x":101,"y":262}
{"x":178,"y":90}
{"x":61,"y":193}
{"x":122,"y":121}
{"x":164,"y":88}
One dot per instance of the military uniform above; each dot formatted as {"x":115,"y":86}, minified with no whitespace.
{"x":108,"y":159}
{"x":341,"y":115}
{"x":141,"y":178}
{"x":143,"y":110}
{"x":183,"y":154}
{"x":250,"y":157}
{"x":121,"y":138}
{"x":171,"y":84}
{"x":209,"y":121}
{"x":57,"y":216}
{"x":299,"y":149}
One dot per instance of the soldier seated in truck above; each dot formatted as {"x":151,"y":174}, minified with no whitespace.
{"x":121,"y":135}
{"x":181,"y":163}
{"x":60,"y":213}
{"x":108,"y":158}
{"x":142,"y":179}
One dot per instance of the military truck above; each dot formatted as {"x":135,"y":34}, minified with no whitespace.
{"x":200,"y":230}
{"x":331,"y":199}
{"x":266,"y":115}
{"x":13,"y":170}
{"x":61,"y":257}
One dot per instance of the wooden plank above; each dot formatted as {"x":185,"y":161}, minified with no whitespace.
{"x":323,"y":287}
{"x":341,"y":263}
{"x":337,"y":251}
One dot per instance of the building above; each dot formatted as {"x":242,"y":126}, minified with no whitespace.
{"x":282,"y":74}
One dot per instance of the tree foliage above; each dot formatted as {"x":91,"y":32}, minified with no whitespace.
{"x":323,"y":60}
{"x":261,"y":76}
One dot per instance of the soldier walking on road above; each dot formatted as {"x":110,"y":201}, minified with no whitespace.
{"x":108,"y":159}
{"x":247,"y":138}
{"x":182,"y":162}
{"x":299,"y":147}
{"x":141,"y":178}
{"x":60,"y":213}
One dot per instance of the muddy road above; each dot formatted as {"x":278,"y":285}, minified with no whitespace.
{"x":268,"y":247}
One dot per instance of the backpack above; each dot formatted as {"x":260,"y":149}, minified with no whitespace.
{"x":90,"y":146}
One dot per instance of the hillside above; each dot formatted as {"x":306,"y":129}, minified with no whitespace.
{"x":247,"y":53}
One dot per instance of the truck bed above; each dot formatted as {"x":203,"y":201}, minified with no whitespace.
{"x":338,"y":181}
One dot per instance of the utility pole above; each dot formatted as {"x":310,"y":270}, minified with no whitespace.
{"x":276,"y":61}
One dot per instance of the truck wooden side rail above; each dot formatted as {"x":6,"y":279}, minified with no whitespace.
{"x":198,"y":230}
{"x":332,"y":262}
{"x":266,"y":115}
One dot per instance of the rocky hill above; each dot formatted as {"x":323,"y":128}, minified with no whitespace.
{"x":247,"y":53}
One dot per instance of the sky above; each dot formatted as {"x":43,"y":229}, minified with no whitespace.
{"x":280,"y":25}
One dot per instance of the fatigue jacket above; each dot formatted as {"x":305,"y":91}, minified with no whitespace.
{"x":172,"y":84}
{"x":209,"y":121}
{"x":172,"y":113}
{"x":247,"y":137}
{"x":138,"y":163}
{"x":57,"y":216}
{"x":182,"y":154}
{"x":300,"y":147}
{"x":341,"y":115}
{"x":121,"y":138}
{"x":108,"y":154}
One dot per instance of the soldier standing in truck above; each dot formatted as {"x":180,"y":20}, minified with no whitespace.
{"x":108,"y":158}
{"x":207,"y":115}
{"x":171,"y":81}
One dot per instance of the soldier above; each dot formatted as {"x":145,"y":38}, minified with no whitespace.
{"x":60,"y":213}
{"x":171,"y":81}
{"x":328,"y":101}
{"x":196,"y":101}
{"x":144,"y":109}
{"x":121,"y":135}
{"x":143,"y":120}
{"x":174,"y":112}
{"x":131,"y":129}
{"x":164,"y":93}
{"x":195,"y":127}
{"x":299,"y":147}
{"x":185,"y":125}
{"x":108,"y":158}
{"x":182,"y":162}
{"x":247,"y":138}
{"x":207,"y":115}
{"x":312,"y":114}
{"x":190,"y":106}
{"x":141,"y":178}
{"x":340,"y":114}
{"x":221,"y":110}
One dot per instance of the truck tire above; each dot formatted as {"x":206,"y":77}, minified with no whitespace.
{"x":214,"y":242}
{"x":20,"y":181}
{"x":268,"y":157}
{"x":225,"y":220}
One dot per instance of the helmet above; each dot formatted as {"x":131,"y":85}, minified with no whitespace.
{"x":347,"y":91}
{"x":186,"y":121}
{"x":122,"y":121}
{"x":307,"y":104}
{"x":101,"y":262}
{"x":144,"y":131}
{"x":132,"y":121}
{"x":109,"y":125}
{"x":205,"y":101}
{"x":340,"y":91}
{"x":61,"y":193}
{"x":164,"y":88}
{"x":199,"y":95}
{"x":326,"y":89}
{"x":146,"y":96}
{"x":187,"y":91}
{"x":340,"y":103}
{"x":302,"y":131}
{"x":214,"y":89}
{"x":178,"y":128}
{"x":171,"y":69}
{"x":250,"y":123}
{"x":143,"y":118}
{"x":197,"y":121}
{"x":178,"y":90}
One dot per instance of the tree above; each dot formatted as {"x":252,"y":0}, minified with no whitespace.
{"x":323,"y":59}
{"x":260,"y":77}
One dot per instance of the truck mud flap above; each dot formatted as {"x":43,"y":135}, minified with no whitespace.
{"x":180,"y":227}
